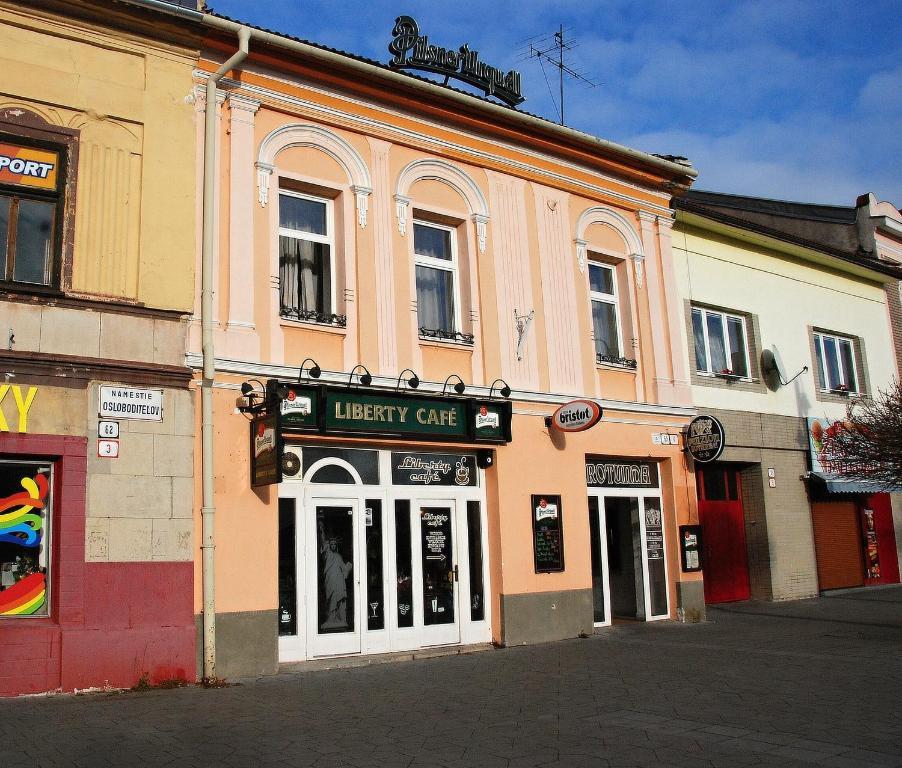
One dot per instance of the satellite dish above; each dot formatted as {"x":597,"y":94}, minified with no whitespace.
{"x":770,"y":371}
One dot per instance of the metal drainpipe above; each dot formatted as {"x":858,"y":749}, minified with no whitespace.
{"x":210,"y":222}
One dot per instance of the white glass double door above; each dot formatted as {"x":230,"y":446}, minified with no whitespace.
{"x":629,"y":569}
{"x":373,"y":573}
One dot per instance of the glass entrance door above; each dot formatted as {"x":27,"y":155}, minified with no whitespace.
{"x":629,"y":573}
{"x":439,"y":573}
{"x":334,"y":565}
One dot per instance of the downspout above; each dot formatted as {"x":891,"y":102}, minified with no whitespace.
{"x":210,"y":222}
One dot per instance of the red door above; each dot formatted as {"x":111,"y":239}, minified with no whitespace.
{"x":724,"y":554}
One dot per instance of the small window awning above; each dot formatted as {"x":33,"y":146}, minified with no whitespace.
{"x":837,"y":484}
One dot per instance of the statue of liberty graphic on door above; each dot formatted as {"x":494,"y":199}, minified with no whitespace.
{"x":336,"y":590}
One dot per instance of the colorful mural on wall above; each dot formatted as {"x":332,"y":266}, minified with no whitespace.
{"x":23,"y":559}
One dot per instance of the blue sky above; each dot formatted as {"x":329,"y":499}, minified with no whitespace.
{"x":797,"y":100}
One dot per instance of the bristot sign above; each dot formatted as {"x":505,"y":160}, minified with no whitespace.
{"x":576,"y":416}
{"x":705,"y":439}
{"x":410,"y":50}
{"x":340,"y":410}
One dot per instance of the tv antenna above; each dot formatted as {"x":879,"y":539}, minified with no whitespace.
{"x":551,"y":50}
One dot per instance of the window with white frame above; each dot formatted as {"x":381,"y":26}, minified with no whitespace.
{"x":435,"y":263}
{"x":721,"y":346}
{"x":836,"y":370}
{"x":605,"y":312}
{"x":306,"y":259}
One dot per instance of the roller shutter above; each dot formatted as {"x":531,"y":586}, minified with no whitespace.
{"x":837,"y":544}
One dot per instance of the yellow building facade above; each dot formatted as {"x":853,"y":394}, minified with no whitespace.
{"x":97,"y":236}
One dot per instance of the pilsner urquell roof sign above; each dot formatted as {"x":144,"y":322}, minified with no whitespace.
{"x":412,"y":51}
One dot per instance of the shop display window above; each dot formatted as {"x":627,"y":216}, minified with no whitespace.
{"x":375,"y":592}
{"x":403,"y":563}
{"x":477,"y":588}
{"x":365,"y":463}
{"x":26,"y":490}
{"x":288,"y":596}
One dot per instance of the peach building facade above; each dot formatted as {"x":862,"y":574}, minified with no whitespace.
{"x":398,"y":238}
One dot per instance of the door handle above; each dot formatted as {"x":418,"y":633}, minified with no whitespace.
{"x":455,"y":572}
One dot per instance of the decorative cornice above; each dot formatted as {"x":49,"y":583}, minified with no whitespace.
{"x":388,"y":130}
{"x":79,"y":368}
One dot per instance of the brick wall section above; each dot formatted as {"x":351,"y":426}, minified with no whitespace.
{"x":779,"y":536}
{"x":756,"y":532}
{"x":894,"y":304}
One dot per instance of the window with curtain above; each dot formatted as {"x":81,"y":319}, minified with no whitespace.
{"x":306,"y":268}
{"x":605,"y":304}
{"x":836,"y":370}
{"x":435,"y":263}
{"x":721,"y":346}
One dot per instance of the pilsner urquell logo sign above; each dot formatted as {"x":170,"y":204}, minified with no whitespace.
{"x":410,"y":50}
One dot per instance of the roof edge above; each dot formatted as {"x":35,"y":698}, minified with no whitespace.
{"x":367,"y":69}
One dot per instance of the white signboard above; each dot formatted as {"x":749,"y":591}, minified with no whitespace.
{"x":131,"y":403}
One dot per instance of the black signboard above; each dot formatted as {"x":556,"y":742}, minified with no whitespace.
{"x":705,"y":439}
{"x":548,"y":533}
{"x":607,"y":472}
{"x":335,"y":410}
{"x":266,"y":450}
{"x":691,"y":548}
{"x":433,"y":469}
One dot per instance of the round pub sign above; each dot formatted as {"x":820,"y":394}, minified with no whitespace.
{"x":705,"y":438}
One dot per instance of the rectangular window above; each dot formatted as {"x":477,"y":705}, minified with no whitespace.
{"x":435,"y":264}
{"x":288,"y":595}
{"x":721,"y":345}
{"x":605,"y":312}
{"x":26,"y":493}
{"x":403,"y":563}
{"x":474,"y":544}
{"x":30,"y":214}
{"x":306,"y":255}
{"x":836,"y":369}
{"x":375,"y":614}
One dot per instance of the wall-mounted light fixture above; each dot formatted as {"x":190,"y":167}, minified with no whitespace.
{"x":366,"y":379}
{"x":413,"y":382}
{"x":252,"y":393}
{"x":313,"y":372}
{"x":459,"y":387}
{"x":505,"y":390}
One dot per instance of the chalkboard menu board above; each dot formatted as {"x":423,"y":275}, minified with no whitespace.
{"x":548,"y":533}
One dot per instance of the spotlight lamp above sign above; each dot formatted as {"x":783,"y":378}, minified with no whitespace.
{"x":705,"y":439}
{"x":575,"y":416}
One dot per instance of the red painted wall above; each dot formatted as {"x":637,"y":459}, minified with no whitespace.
{"x":110,"y":623}
{"x":886,"y":538}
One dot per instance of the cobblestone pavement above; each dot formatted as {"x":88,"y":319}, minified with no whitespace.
{"x":811,"y":683}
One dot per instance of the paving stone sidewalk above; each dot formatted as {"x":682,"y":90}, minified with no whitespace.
{"x":811,"y":683}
